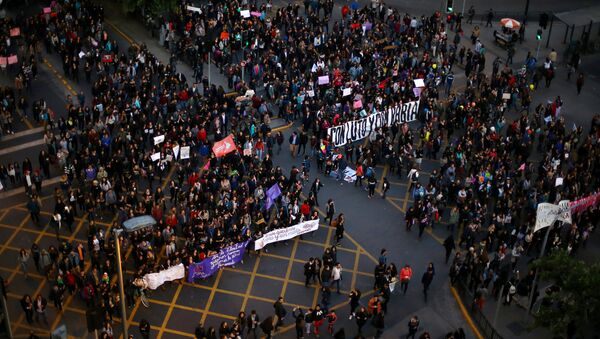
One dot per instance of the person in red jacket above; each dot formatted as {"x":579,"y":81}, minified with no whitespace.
{"x":405,"y":276}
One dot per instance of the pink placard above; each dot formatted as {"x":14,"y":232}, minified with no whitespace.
{"x":358,"y":104}
{"x":256,"y":14}
{"x":323,"y":80}
{"x":3,"y":60}
{"x":16,"y":31}
{"x":12,"y":59}
{"x":47,"y":10}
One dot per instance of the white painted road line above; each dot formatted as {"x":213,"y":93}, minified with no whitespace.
{"x":20,"y":147}
{"x":22,"y":134}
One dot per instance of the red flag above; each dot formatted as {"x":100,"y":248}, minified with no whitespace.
{"x":107,"y":58}
{"x":224,"y":147}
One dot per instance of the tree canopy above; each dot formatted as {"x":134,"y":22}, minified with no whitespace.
{"x":576,"y":293}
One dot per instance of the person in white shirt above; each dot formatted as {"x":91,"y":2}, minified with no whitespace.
{"x":336,"y":276}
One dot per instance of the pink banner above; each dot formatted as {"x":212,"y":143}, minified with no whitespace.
{"x":324,"y":80}
{"x":583,"y":204}
{"x":47,"y":10}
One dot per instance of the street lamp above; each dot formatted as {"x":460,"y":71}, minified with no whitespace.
{"x":116,"y":233}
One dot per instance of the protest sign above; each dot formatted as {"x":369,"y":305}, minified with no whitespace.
{"x":185,"y":152}
{"x":16,"y":31}
{"x":228,"y":256}
{"x":346,"y":91}
{"x":355,"y":130}
{"x":12,"y":59}
{"x":155,"y":280}
{"x":323,"y":80}
{"x":245,"y":13}
{"x":224,"y":147}
{"x":155,"y":156}
{"x":287,"y":233}
{"x":159,"y":139}
{"x":176,"y":151}
{"x":194,"y":9}
{"x":419,"y":83}
{"x":547,"y":214}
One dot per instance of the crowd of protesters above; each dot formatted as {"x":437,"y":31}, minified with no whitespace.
{"x":494,"y":170}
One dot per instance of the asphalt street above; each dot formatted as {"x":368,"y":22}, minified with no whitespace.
{"x":372,"y":224}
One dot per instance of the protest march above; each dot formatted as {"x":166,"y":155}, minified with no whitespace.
{"x":366,"y":102}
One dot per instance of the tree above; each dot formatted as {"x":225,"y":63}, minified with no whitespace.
{"x":153,"y":7}
{"x":575,"y":300}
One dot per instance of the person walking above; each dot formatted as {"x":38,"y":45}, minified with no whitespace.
{"x":268,"y":325}
{"x":28,"y":308}
{"x":427,"y":278}
{"x":309,"y":268}
{"x":280,"y":312}
{"x":35,"y":253}
{"x":361,"y":318}
{"x":354,"y":297}
{"x":315,"y":188}
{"x":23,"y":260}
{"x":145,"y":329}
{"x":318,"y":316}
{"x":34,"y":205}
{"x":331,"y":320}
{"x":300,"y":323}
{"x":379,"y":324}
{"x":294,"y":141}
{"x":405,"y":276}
{"x":580,"y":81}
{"x":385,"y":186}
{"x":336,"y":276}
{"x":253,"y":323}
{"x":490,"y":16}
{"x":413,"y":327}
{"x":371,"y":184}
{"x":56,"y":223}
{"x":329,"y":211}
{"x":339,"y":228}
{"x":449,"y":246}
{"x":40,"y":305}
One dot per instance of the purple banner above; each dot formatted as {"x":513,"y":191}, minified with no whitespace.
{"x":226,"y":257}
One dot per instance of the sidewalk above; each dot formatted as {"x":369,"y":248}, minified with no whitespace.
{"x":134,"y":32}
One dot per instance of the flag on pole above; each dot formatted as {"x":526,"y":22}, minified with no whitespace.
{"x":272,"y":194}
{"x":224,"y":147}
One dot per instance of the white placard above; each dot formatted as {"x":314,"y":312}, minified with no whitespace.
{"x":185,"y":152}
{"x":287,"y":233}
{"x":81,"y":55}
{"x":176,"y":151}
{"x":559,"y":181}
{"x":159,"y":139}
{"x":419,"y":83}
{"x":245,"y":13}
{"x":194,"y":9}
{"x":311,"y":93}
{"x":547,"y":214}
{"x":346,"y":92}
{"x":506,"y":96}
{"x":155,"y":156}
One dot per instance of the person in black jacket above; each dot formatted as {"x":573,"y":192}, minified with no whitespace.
{"x":361,"y":319}
{"x":145,"y":329}
{"x":199,"y":332}
{"x":379,"y":324}
{"x":299,"y":316}
{"x":253,"y":322}
{"x":309,"y":268}
{"x":267,"y":326}
{"x":280,"y":312}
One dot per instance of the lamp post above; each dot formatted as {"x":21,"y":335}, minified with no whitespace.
{"x":116,"y":233}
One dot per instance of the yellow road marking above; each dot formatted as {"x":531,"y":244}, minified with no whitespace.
{"x":465,"y":314}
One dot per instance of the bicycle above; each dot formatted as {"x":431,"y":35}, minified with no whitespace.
{"x":142,"y":287}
